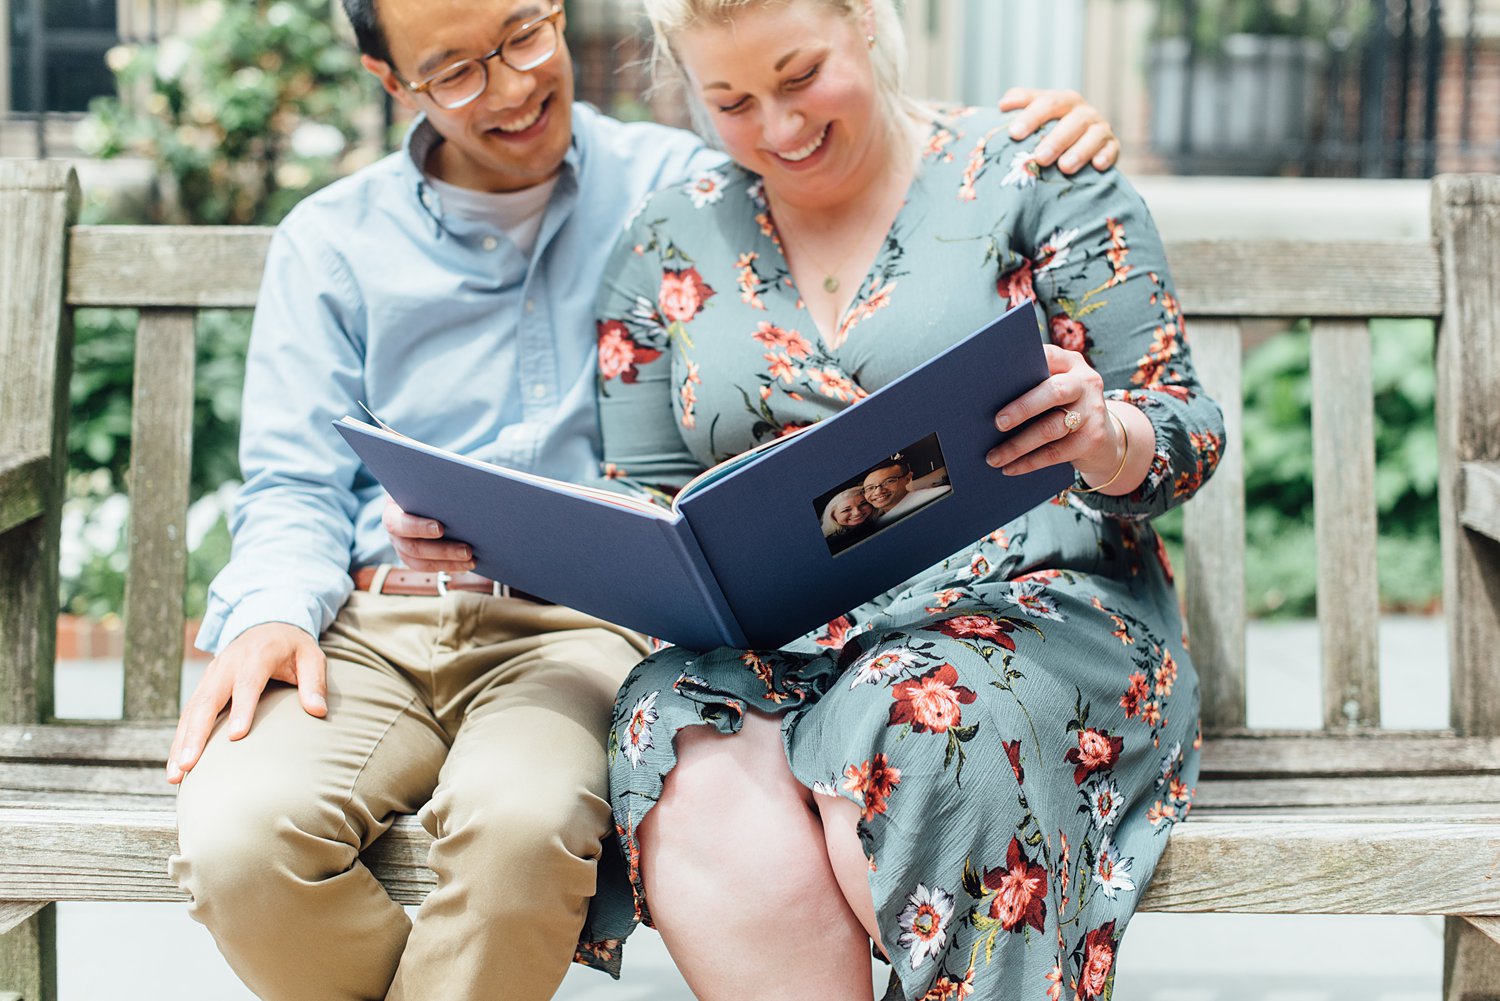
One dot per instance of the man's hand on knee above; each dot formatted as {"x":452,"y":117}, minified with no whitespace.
{"x":274,"y":651}
{"x":1082,"y":136}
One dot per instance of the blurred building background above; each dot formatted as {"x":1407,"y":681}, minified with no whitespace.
{"x":1314,"y":88}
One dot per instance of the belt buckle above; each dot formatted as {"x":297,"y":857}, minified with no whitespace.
{"x":443,"y":577}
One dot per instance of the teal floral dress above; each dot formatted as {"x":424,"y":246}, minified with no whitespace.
{"x":1018,"y":724}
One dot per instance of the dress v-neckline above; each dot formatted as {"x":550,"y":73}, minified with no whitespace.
{"x":773,"y":237}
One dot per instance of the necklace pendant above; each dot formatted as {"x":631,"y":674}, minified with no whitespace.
{"x":831,"y":284}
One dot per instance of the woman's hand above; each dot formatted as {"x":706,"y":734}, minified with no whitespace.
{"x":420,"y":543}
{"x":1082,"y":135}
{"x":1094,"y":446}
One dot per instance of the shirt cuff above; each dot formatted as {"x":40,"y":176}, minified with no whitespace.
{"x":303,"y":611}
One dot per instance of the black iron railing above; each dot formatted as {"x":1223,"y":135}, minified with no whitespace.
{"x":1351,"y":88}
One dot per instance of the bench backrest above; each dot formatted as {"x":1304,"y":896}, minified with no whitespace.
{"x":169,"y":273}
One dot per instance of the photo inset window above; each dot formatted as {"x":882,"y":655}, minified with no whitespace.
{"x":877,"y":497}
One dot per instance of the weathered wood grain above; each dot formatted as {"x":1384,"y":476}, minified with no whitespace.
{"x":1489,"y":926}
{"x":1270,"y":278}
{"x":106,"y":743}
{"x":1466,"y":222}
{"x":1256,"y":866}
{"x":23,"y":488}
{"x":220,"y":266}
{"x":1343,"y":415}
{"x":1214,"y":536}
{"x":1417,"y":794}
{"x":1471,"y":963}
{"x":38,"y":201}
{"x":1337,"y":756}
{"x":187,"y":266}
{"x":161,"y":459}
{"x":13,"y":912}
{"x":1480,"y":489}
{"x":118,"y":780}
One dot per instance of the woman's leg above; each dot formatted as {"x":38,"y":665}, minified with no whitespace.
{"x":738,"y":878}
{"x":850,"y":865}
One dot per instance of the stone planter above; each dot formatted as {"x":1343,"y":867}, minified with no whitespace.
{"x":1246,"y":110}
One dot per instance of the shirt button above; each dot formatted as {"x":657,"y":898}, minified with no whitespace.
{"x":539,"y":391}
{"x":490,"y":243}
{"x":531,"y":305}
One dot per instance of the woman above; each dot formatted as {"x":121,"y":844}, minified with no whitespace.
{"x":977,"y":771}
{"x":848,"y":510}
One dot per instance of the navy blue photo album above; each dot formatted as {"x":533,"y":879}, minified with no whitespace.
{"x":768,"y":545}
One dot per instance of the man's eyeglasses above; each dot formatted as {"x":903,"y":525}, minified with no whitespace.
{"x":523,"y":50}
{"x":885,"y":484}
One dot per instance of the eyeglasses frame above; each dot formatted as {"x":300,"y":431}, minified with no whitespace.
{"x":424,"y":85}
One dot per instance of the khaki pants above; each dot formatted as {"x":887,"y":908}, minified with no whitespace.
{"x":487,"y":716}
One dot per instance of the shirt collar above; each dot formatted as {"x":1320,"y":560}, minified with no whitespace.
{"x":421,"y":138}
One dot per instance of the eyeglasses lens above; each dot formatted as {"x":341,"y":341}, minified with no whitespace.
{"x":524,"y":51}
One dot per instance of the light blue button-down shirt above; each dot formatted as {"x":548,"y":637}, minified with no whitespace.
{"x":373,"y":294}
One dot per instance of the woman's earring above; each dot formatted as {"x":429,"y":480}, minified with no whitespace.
{"x":870,"y":41}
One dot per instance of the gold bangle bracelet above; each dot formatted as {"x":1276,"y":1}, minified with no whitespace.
{"x":1124,"y":457}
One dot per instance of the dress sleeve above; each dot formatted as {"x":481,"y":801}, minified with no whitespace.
{"x":644,"y":452}
{"x":1100,"y":273}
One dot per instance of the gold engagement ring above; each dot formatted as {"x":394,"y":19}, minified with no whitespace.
{"x":1072,"y":420}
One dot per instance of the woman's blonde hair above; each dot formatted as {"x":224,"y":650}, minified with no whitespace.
{"x":887,"y":53}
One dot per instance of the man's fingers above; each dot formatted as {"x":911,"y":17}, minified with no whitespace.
{"x":1063,"y":139}
{"x":1017,"y":97}
{"x":1089,"y":145}
{"x":193,"y":729}
{"x":454,"y":557}
{"x":242,"y":707}
{"x":1108,"y":156}
{"x":312,"y":680}
{"x":398,"y":523}
{"x":1044,"y":106}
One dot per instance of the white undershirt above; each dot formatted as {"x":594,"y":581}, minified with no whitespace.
{"x":518,"y":213}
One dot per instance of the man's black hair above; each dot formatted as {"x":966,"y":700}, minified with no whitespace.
{"x":367,"y":30}
{"x":896,"y":460}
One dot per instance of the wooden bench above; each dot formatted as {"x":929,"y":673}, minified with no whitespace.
{"x":1348,"y":819}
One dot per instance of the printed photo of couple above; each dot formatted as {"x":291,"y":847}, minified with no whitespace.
{"x":874,"y":500}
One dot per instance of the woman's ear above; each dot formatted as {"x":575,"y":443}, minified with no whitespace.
{"x":867,"y":21}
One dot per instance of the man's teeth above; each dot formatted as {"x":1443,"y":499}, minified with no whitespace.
{"x":797,"y":155}
{"x":523,"y":124}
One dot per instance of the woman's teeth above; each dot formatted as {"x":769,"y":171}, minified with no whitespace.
{"x":798,"y":155}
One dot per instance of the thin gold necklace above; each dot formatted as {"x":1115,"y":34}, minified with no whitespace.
{"x":830,"y":275}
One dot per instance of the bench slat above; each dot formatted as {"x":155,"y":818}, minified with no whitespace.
{"x":220,"y":266}
{"x":1433,"y":866}
{"x":1304,"y":754}
{"x":24,"y":481}
{"x":1374,"y":792}
{"x":1466,"y":221}
{"x":1214,"y":528}
{"x":1480,"y":490}
{"x":188,"y":266}
{"x":13,"y":912}
{"x":161,"y":456}
{"x":107,"y":741}
{"x":1344,"y":513}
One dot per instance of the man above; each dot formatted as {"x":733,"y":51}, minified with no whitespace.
{"x":449,"y":286}
{"x":888,"y":489}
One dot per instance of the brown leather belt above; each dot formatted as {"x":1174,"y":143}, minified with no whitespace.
{"x":416,"y":583}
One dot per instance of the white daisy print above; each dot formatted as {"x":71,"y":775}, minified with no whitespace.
{"x":1106,"y":803}
{"x":924,"y":922}
{"x":1024,"y":170}
{"x":1112,"y":870}
{"x":872,"y":668}
{"x":707,"y":188}
{"x":1034,"y":600}
{"x":637,"y":738}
